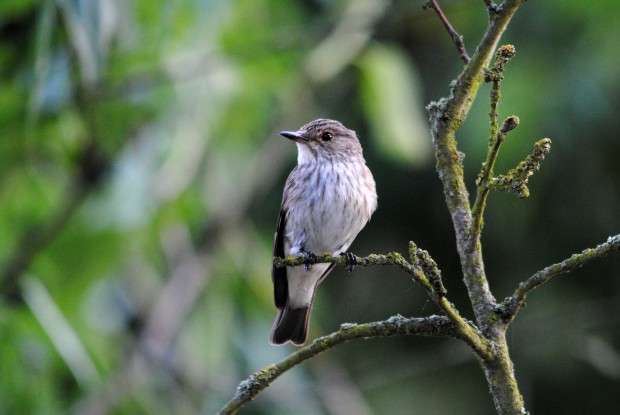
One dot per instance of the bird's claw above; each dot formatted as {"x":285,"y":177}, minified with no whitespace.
{"x":308,"y":256}
{"x":351,"y":261}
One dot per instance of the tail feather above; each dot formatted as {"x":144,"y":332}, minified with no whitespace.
{"x":291,"y":325}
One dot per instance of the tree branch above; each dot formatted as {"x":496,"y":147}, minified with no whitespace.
{"x":456,"y":38}
{"x":394,"y":326}
{"x":486,"y":174}
{"x":516,"y":179}
{"x":33,"y":241}
{"x":492,"y":8}
{"x":392,"y":258}
{"x":511,"y":305}
{"x":423,"y":270}
{"x":93,"y":164}
{"x":446,"y":117}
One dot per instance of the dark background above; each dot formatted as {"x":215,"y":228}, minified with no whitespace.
{"x":141,"y":175}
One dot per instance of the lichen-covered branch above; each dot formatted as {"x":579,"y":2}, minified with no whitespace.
{"x":486,"y":174}
{"x":394,"y":326}
{"x":495,"y":75}
{"x":516,"y":179}
{"x":446,"y":117}
{"x":392,"y":258}
{"x":421,"y":258}
{"x":423,"y":270}
{"x":511,"y":306}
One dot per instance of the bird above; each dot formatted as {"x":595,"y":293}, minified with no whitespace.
{"x":328,"y":198}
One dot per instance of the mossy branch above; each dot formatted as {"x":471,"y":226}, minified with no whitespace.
{"x":422,"y":269}
{"x":516,"y":179}
{"x":446,"y":117}
{"x":497,"y":135}
{"x":511,"y":306}
{"x":495,"y":75}
{"x":392,"y":258}
{"x":394,"y":326}
{"x":486,"y":174}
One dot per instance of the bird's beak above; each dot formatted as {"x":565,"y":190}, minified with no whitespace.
{"x":292,"y":135}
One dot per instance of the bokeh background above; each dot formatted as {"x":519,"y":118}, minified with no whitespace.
{"x":141,"y":174}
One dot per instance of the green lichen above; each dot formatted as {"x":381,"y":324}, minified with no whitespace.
{"x":503,"y":55}
{"x":516,"y":179}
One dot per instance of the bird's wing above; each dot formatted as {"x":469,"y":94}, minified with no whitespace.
{"x":278,"y":275}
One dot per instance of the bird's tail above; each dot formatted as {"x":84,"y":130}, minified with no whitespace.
{"x":291,"y":325}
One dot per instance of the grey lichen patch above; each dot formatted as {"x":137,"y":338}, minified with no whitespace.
{"x":257,"y":380}
{"x":347,"y":326}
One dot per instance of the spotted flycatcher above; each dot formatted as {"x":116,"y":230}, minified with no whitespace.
{"x":328,"y":198}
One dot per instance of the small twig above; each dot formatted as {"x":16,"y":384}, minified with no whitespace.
{"x":394,"y":326}
{"x":486,"y":174}
{"x":422,"y":259}
{"x":496,"y":135}
{"x":456,"y":38}
{"x":511,"y":306}
{"x":516,"y":179}
{"x":496,"y":76}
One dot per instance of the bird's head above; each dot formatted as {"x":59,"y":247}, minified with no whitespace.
{"x":324,"y":140}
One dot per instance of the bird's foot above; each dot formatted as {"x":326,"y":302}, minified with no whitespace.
{"x":309,"y":257}
{"x":351,"y":261}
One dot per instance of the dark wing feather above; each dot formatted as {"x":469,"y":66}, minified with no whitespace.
{"x":278,"y":275}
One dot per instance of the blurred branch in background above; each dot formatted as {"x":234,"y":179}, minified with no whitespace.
{"x":36,"y":239}
{"x":91,"y":30}
{"x":62,"y":335}
{"x":153,"y":348}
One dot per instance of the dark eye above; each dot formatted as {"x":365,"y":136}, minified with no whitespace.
{"x":326,"y":136}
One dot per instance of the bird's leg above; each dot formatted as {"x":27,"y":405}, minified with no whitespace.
{"x":309,"y":257}
{"x":351,"y":261}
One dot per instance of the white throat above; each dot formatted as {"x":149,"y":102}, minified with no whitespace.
{"x":305,"y":154}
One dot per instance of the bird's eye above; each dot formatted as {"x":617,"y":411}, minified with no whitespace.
{"x":326,"y":136}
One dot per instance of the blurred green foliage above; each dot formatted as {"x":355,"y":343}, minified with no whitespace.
{"x":151,"y":126}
